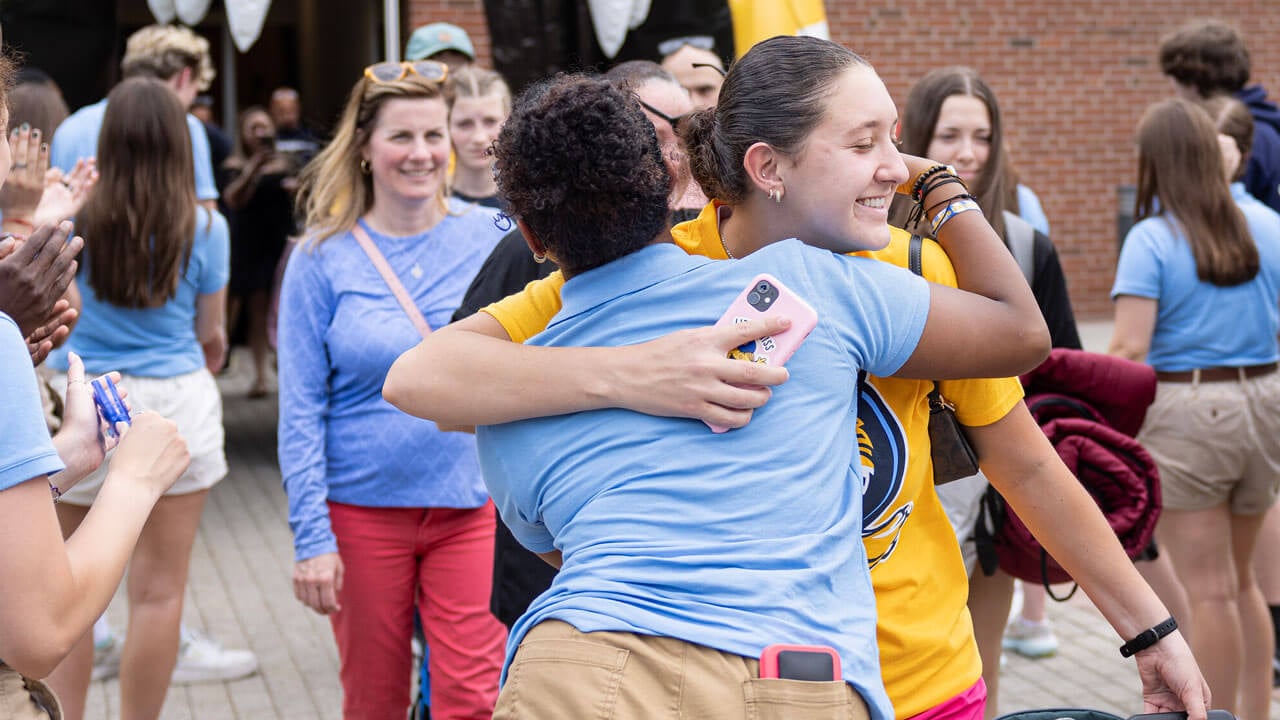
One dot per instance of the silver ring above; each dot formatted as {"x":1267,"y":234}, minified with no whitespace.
{"x":19,"y":166}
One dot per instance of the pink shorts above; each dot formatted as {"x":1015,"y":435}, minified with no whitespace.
{"x":968,"y":705}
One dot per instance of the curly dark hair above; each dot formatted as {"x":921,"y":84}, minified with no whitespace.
{"x":579,"y":163}
{"x":1208,"y":55}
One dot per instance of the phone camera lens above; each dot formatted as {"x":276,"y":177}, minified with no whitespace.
{"x":753,"y":298}
{"x":763,"y":287}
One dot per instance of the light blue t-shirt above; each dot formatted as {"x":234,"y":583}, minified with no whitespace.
{"x":1029,"y":209}
{"x":340,"y":329}
{"x":151,"y":342}
{"x":733,"y":541}
{"x":77,"y":137}
{"x":1198,"y":324}
{"x":26,"y":451}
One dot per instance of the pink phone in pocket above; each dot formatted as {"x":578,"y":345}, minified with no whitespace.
{"x":764,"y":297}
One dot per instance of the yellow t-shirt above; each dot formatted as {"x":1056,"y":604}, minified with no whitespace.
{"x":927,"y":651}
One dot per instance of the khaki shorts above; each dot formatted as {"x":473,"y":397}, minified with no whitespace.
{"x":1216,"y":443}
{"x":193,"y":403}
{"x":559,"y":672}
{"x":26,"y":699}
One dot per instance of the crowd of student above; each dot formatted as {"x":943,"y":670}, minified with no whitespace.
{"x":498,"y":355}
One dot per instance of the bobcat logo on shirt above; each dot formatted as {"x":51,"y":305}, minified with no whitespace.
{"x":882,"y":451}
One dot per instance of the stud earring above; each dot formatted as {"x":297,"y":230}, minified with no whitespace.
{"x":364,"y":166}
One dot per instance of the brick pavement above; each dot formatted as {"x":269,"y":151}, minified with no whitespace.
{"x":240,"y":592}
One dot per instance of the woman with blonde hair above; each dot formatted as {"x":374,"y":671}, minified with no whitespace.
{"x":388,"y":513}
{"x":481,"y":103}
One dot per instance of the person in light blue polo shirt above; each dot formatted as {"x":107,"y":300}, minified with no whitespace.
{"x":684,"y":553}
{"x":171,"y":53}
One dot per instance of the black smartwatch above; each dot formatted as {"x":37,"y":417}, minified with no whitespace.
{"x":1148,"y":637}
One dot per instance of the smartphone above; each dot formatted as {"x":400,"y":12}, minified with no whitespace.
{"x":815,"y":663}
{"x":766,"y":296}
{"x":1213,"y":715}
{"x":110,"y":406}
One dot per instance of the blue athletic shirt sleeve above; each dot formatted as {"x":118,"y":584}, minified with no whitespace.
{"x":306,"y":309}
{"x":26,"y":450}
{"x":1139,"y":268}
{"x":205,"y":187}
{"x":530,"y":532}
{"x":1030,"y":209}
{"x":216,"y":272}
{"x":877,"y":310}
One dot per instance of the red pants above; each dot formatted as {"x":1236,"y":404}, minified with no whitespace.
{"x":446,"y":557}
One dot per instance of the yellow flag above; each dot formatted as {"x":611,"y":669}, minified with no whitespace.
{"x":756,"y":20}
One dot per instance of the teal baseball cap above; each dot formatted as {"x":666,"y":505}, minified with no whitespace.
{"x":431,"y":39}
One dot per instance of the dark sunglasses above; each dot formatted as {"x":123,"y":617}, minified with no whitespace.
{"x":674,"y":122}
{"x":389,"y":72}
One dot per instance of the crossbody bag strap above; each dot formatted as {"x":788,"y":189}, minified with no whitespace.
{"x":392,"y":280}
{"x":915,"y":263}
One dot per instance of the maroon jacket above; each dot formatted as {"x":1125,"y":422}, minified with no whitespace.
{"x":1091,"y":406}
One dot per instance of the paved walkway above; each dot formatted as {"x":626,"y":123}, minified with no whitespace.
{"x":240,"y":592}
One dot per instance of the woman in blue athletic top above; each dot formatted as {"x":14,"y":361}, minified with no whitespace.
{"x":1197,"y":296}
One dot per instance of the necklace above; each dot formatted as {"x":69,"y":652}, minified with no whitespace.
{"x":721,"y":235}
{"x":726,"y":249}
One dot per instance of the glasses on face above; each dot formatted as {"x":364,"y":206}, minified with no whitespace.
{"x":389,"y":72}
{"x":674,"y":122}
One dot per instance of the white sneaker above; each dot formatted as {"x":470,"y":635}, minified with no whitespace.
{"x":1030,"y":639}
{"x":106,"y":657}
{"x":203,"y":659}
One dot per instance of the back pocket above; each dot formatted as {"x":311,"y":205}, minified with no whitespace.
{"x":561,"y":678}
{"x":774,"y":699}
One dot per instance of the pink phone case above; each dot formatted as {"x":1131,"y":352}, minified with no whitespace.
{"x":766,"y":296}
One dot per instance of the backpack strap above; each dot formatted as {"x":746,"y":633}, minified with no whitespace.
{"x":391,"y":279}
{"x":1021,"y":237}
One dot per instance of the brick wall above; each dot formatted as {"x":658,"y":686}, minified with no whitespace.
{"x":1073,"y":77}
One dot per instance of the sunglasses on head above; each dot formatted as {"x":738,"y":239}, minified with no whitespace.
{"x":701,"y":42}
{"x":389,"y":72}
{"x":674,"y":122}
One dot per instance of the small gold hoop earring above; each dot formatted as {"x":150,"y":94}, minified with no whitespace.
{"x":364,"y":166}
{"x":539,"y":258}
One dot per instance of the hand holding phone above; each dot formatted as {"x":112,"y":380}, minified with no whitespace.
{"x":815,"y":663}
{"x":763,"y":297}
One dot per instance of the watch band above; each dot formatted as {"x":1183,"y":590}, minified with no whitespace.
{"x":1148,"y":637}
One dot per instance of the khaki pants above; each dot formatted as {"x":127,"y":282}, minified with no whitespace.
{"x":25,"y":699}
{"x":559,"y":672}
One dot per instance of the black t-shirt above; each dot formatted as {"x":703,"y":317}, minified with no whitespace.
{"x":490,"y":201}
{"x":1049,"y":285}
{"x":519,"y":576}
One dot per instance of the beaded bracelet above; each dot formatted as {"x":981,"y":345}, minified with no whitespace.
{"x":954,"y":207}
{"x":915,"y":187}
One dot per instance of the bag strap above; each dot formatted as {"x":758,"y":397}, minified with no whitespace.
{"x":392,"y":281}
{"x":915,"y":263}
{"x":1021,"y":236}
